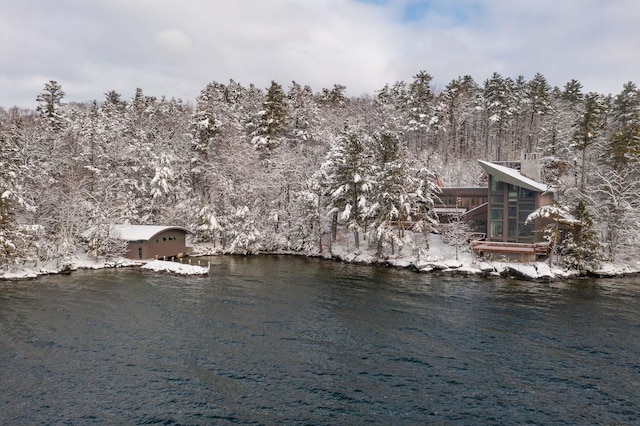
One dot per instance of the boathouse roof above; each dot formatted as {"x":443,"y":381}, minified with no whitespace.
{"x":143,"y":232}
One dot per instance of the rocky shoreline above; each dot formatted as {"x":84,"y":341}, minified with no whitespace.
{"x":536,"y":271}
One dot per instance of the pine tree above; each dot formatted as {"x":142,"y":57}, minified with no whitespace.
{"x":588,"y":128}
{"x":50,"y":100}
{"x":273,"y":120}
{"x":458,"y":106}
{"x":391,"y":203}
{"x":580,"y":249}
{"x":302,"y":114}
{"x":539,"y":106}
{"x":572,"y":93}
{"x":624,"y":140}
{"x":420,"y":108}
{"x":347,"y":172}
{"x":335,"y":96}
{"x":498,"y":97}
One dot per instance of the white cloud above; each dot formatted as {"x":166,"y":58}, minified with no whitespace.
{"x":172,"y":40}
{"x":175,"y":48}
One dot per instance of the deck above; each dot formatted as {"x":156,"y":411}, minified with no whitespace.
{"x":535,"y":249}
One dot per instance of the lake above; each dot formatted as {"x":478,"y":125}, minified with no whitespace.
{"x":286,"y":340}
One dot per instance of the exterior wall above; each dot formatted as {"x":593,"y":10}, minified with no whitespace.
{"x":509,"y":207}
{"x":466,"y":198}
{"x":168,"y":243}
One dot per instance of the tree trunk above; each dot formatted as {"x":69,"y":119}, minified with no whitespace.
{"x":334,"y":226}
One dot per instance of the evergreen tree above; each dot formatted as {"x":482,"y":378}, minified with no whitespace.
{"x":50,"y":100}
{"x":539,"y":106}
{"x":420,"y":108}
{"x":458,"y":109}
{"x":303,"y":114}
{"x":580,"y":248}
{"x":335,"y":96}
{"x":588,"y":128}
{"x":347,"y":171}
{"x":498,"y":96}
{"x":273,"y":120}
{"x":391,"y":202}
{"x":572,"y":93}
{"x":624,"y":140}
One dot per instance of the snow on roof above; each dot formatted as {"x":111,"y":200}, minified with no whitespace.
{"x":512,"y":176}
{"x":449,"y":210}
{"x":143,"y":232}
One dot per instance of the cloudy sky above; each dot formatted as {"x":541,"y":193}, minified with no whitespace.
{"x":175,"y":47}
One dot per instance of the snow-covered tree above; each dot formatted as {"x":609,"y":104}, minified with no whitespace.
{"x":420,"y":108}
{"x":614,"y":197}
{"x":580,"y":249}
{"x":538,"y":95}
{"x":302,"y":115}
{"x":273,"y":121}
{"x":348,"y":178}
{"x":456,"y":232}
{"x":498,"y":109}
{"x":624,"y":140}
{"x":555,"y":216}
{"x":457,"y":104}
{"x":391,"y":202}
{"x":15,"y":240}
{"x":588,"y":129}
{"x":50,"y":101}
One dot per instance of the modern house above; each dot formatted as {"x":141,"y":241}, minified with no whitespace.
{"x":151,"y":241}
{"x":467,"y":202}
{"x":500,"y":211}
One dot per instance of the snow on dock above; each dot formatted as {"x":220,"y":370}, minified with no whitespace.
{"x":176,"y":268}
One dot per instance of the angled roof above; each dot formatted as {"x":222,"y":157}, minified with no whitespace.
{"x":512,"y":176}
{"x":143,"y":232}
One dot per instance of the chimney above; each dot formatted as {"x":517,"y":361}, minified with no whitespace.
{"x":530,"y":166}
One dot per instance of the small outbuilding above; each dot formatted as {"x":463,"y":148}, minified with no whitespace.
{"x":152,"y":241}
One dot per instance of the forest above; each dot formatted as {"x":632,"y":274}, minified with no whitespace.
{"x":285,"y":168}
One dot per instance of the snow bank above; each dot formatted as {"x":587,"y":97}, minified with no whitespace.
{"x":79,"y":261}
{"x":176,"y":268}
{"x":440,"y":258}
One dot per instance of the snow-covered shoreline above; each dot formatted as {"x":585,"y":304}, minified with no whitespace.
{"x":80,"y":261}
{"x":29,"y":272}
{"x":439,"y":259}
{"x":176,"y":268}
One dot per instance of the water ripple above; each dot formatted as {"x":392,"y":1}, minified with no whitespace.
{"x":279,"y":340}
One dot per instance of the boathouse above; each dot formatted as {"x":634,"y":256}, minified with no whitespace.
{"x":152,"y":241}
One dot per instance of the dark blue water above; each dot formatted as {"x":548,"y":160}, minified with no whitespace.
{"x":281,"y":340}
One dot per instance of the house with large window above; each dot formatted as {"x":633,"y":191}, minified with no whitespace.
{"x":498,"y":213}
{"x":512,"y":197}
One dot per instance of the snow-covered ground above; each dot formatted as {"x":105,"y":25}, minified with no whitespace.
{"x":441,"y":258}
{"x":79,"y":261}
{"x":438,"y":258}
{"x":176,"y":268}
